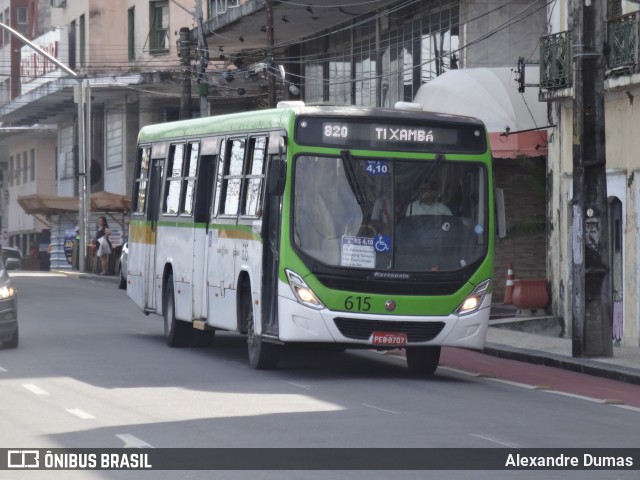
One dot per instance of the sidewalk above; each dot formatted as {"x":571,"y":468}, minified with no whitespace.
{"x":540,"y":345}
{"x":555,"y":351}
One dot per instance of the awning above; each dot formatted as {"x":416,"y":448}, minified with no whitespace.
{"x":50,"y":205}
{"x":515,"y":120}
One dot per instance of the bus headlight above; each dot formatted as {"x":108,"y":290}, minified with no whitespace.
{"x":301,"y":290}
{"x":475,"y":298}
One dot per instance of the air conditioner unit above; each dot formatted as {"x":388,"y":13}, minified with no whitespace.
{"x":58,"y":3}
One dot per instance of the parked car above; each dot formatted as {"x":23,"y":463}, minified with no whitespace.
{"x":14,"y":253}
{"x":124,"y":256}
{"x":8,"y":306}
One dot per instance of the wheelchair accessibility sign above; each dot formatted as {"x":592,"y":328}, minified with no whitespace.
{"x":382,"y":243}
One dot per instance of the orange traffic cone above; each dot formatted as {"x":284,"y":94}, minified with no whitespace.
{"x":508,"y":289}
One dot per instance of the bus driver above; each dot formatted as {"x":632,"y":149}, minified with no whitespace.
{"x":427,"y":203}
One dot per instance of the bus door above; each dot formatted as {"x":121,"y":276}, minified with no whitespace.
{"x":153,"y":207}
{"x":272,"y":207}
{"x":205,"y":189}
{"x":221,"y":242}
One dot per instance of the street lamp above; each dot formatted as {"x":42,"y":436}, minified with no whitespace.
{"x":82,"y":94}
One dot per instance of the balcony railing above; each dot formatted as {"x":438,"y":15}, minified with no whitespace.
{"x":555,"y":61}
{"x":623,"y":42}
{"x":623,"y":34}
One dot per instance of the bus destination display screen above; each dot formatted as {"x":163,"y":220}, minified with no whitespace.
{"x":383,"y":134}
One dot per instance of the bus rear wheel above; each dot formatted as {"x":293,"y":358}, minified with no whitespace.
{"x":262,"y":355}
{"x":423,"y":360}
{"x":176,"y":333}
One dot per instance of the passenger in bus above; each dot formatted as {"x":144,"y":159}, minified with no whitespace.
{"x":428,"y":203}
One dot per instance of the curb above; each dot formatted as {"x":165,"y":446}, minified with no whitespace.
{"x":586,"y":366}
{"x":88,"y":276}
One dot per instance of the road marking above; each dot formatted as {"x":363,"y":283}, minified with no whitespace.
{"x":80,"y":413}
{"x":381,"y":409}
{"x":2,"y":369}
{"x":506,"y":444}
{"x":34,"y":389}
{"x":297,"y":385}
{"x":627,"y":407}
{"x":133,"y":442}
{"x":575,"y":395}
{"x":512,"y":383}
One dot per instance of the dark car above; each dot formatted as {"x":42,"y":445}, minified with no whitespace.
{"x":124,"y":256}
{"x":8,"y":306}
{"x":7,"y":253}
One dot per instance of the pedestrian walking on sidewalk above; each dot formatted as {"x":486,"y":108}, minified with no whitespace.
{"x":103,"y":244}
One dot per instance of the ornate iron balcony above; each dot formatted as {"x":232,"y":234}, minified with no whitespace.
{"x":623,"y":41}
{"x":555,"y":61}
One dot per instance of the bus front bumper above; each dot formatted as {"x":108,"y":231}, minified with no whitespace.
{"x":299,"y":323}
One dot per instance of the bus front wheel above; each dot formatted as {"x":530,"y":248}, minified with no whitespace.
{"x":423,"y":360}
{"x":176,"y":333}
{"x":262,"y":355}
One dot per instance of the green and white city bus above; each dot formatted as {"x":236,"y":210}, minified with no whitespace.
{"x":312,"y":224}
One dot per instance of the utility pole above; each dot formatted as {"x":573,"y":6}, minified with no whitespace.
{"x":82,"y":167}
{"x":591,"y":294}
{"x":203,"y":54}
{"x":270,"y":44}
{"x":184,"y":47}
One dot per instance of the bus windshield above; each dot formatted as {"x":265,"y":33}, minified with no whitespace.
{"x":390,"y":214}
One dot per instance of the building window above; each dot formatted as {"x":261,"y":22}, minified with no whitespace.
{"x":159,"y":27}
{"x":82,"y":33}
{"x":11,"y":169}
{"x":22,"y":22}
{"x":16,"y":172}
{"x":6,"y":36}
{"x":32,"y":166}
{"x":131,"y":43}
{"x":72,"y":45}
{"x":415,"y":45}
{"x":25,"y":167}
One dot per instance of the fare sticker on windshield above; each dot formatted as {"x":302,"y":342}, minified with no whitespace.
{"x":358,"y":252}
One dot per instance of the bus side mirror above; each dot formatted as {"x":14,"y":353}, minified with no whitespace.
{"x":501,"y":222}
{"x":277,"y":177}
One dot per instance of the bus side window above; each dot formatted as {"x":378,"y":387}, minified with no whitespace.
{"x":252,"y":204}
{"x":204,"y":188}
{"x":141,"y":181}
{"x":222,"y":162}
{"x":190,"y":179}
{"x":232,"y":179}
{"x":173,"y":186}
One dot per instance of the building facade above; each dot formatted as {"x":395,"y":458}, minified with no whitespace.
{"x":622,"y":86}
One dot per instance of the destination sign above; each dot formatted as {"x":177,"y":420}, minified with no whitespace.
{"x":371,"y":133}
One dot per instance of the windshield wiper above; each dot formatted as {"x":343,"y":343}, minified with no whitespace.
{"x":439,"y":159}
{"x":354,"y":184}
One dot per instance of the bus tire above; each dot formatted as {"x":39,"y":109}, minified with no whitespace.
{"x":423,"y":360}
{"x":262,"y":355}
{"x":176,"y":332}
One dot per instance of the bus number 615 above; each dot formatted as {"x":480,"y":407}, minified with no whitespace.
{"x":361,"y":304}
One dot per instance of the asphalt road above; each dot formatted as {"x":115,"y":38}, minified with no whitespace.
{"x":93,"y":371}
